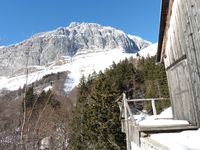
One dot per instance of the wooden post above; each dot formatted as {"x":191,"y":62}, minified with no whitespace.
{"x":153,"y":107}
{"x":126,"y":123}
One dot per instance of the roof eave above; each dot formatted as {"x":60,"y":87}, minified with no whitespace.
{"x":163,"y":23}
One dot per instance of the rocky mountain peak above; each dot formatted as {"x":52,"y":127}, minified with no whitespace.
{"x":75,"y":40}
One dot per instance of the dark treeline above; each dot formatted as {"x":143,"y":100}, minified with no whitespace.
{"x":96,"y":123}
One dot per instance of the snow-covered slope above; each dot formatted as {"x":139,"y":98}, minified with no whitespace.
{"x":78,"y":66}
{"x":149,"y":51}
{"x":80,"y":48}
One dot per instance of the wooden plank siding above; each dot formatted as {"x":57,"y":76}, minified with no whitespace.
{"x":181,"y":95}
{"x":194,"y":51}
{"x":181,"y":54}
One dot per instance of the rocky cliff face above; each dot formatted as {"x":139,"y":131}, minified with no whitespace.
{"x":76,"y":39}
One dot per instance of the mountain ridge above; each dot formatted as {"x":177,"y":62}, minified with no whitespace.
{"x":80,"y":48}
{"x":43,"y":48}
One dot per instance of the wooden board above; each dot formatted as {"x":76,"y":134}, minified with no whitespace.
{"x":182,"y":50}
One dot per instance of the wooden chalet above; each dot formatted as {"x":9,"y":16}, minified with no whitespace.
{"x":179,"y":50}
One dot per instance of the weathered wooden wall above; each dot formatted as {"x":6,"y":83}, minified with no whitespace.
{"x":182,"y":61}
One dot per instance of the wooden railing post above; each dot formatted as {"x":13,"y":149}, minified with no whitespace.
{"x":126,"y":122}
{"x":153,"y":107}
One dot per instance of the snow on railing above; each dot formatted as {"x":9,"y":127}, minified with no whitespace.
{"x":129,"y":116}
{"x":128,"y":109}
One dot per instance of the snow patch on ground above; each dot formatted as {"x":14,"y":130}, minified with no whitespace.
{"x":164,"y":118}
{"x":186,"y":140}
{"x":167,"y":113}
{"x":134,"y":146}
{"x":162,"y":122}
{"x":46,"y":89}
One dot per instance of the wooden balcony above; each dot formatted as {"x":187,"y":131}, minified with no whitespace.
{"x":136,"y":129}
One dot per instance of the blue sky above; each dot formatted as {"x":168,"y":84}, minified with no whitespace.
{"x":19,"y":19}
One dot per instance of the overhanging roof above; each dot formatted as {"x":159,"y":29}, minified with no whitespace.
{"x":163,"y":23}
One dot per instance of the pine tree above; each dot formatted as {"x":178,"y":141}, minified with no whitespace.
{"x":155,"y":82}
{"x":30,"y":97}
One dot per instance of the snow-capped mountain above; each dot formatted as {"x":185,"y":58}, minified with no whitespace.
{"x":76,"y":39}
{"x":141,"y":43}
{"x":80,"y":48}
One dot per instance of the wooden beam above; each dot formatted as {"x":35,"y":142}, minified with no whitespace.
{"x":165,"y":128}
{"x":146,"y":99}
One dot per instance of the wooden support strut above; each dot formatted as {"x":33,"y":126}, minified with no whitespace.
{"x":153,"y":107}
{"x":126,"y":123}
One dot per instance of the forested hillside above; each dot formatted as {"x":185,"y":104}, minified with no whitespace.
{"x":96,"y":123}
{"x":44,"y":116}
{"x":87,"y":118}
